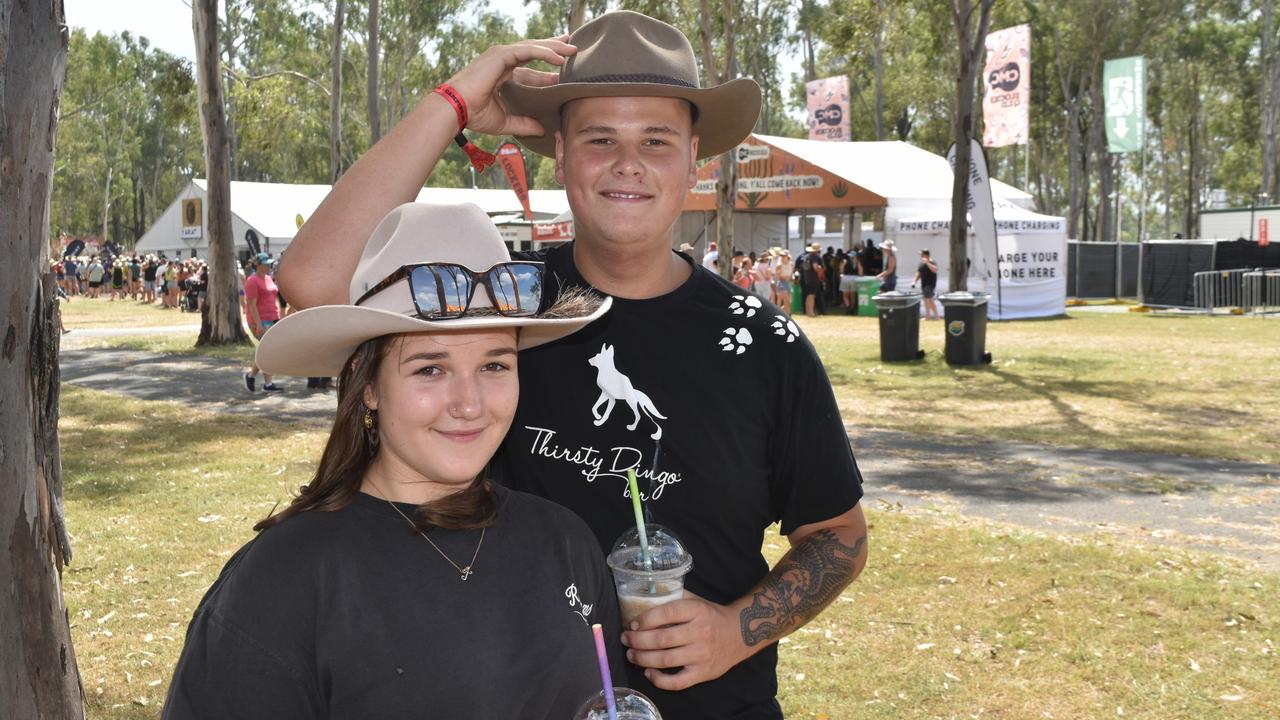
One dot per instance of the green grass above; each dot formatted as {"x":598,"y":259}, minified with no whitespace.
{"x":951,"y":619}
{"x":168,"y":344}
{"x":1128,"y":381}
{"x":83,"y":313}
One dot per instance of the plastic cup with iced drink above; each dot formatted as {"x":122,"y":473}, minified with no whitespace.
{"x":645,"y":583}
{"x":631,"y":706}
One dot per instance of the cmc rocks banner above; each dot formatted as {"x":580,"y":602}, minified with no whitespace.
{"x":1007,"y":102}
{"x":828,"y":108}
{"x":512,"y":161}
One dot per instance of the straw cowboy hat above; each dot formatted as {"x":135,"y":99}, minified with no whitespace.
{"x":318,"y":341}
{"x":686,"y":248}
{"x":627,"y":54}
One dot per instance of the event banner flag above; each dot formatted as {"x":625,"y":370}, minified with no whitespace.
{"x":1006,"y":106}
{"x":828,"y":108}
{"x":1124,"y":82}
{"x":512,"y":161}
{"x":982,"y":213}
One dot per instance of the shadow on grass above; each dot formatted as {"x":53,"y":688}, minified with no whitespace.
{"x":113,"y":446}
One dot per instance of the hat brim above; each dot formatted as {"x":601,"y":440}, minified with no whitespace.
{"x":318,"y":341}
{"x":726,"y":113}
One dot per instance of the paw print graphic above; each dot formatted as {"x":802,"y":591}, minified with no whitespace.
{"x":786,"y":326}
{"x":735,"y":340}
{"x":745,"y":304}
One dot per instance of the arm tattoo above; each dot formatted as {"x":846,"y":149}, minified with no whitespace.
{"x":804,"y":582}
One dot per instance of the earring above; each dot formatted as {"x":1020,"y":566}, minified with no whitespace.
{"x":368,"y":419}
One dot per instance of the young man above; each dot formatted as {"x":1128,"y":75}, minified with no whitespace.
{"x":927,"y":276}
{"x":625,"y":121}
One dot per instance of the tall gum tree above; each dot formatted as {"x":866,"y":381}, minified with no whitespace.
{"x":220,"y":317}
{"x":38,"y":673}
{"x":971,"y":34}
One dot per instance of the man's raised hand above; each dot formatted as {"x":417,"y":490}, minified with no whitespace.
{"x":478,"y":83}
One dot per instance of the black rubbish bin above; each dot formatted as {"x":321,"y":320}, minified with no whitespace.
{"x":965,"y":316}
{"x":899,"y":326}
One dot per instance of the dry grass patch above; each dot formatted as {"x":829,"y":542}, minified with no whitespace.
{"x":1185,"y":385}
{"x":951,"y":619}
{"x":83,"y":313}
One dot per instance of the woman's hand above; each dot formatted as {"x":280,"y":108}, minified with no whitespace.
{"x":478,"y":83}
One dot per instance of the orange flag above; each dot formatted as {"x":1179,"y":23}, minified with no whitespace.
{"x":512,"y":161}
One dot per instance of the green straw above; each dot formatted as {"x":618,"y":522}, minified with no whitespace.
{"x":639,"y":511}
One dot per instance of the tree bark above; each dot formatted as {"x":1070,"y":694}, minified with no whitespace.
{"x":1270,"y":101}
{"x":727,"y":183}
{"x":229,"y":47}
{"x":375,"y":118}
{"x":220,"y":317}
{"x":877,"y":53}
{"x":970,"y":42}
{"x":39,"y":677}
{"x":577,"y":14}
{"x":335,"y":94}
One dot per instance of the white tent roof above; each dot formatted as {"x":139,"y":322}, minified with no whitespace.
{"x":1010,"y":219}
{"x":271,"y":211}
{"x":271,"y":208}
{"x":900,"y":172}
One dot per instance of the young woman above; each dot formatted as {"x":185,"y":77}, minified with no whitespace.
{"x":400,"y":582}
{"x":782,"y":280}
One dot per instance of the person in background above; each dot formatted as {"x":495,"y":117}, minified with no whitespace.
{"x":135,"y":277}
{"x":927,"y":276}
{"x":713,"y":254}
{"x":149,"y":280}
{"x":889,"y":276}
{"x":263,"y":308}
{"x":762,"y":277}
{"x":119,"y":278}
{"x":849,"y":273}
{"x":744,"y":276}
{"x":171,"y":271}
{"x":782,"y":277}
{"x":812,"y":274}
{"x":96,"y":273}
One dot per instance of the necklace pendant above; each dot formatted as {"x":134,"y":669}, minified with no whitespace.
{"x":466,"y":573}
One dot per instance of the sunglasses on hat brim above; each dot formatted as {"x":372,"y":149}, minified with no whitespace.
{"x":444,"y":291}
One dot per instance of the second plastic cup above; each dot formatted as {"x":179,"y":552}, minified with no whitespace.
{"x":642,"y":586}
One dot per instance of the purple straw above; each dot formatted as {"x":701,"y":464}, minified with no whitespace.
{"x":610,"y":702}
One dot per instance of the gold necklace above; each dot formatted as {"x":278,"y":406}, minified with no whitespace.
{"x":464,"y":572}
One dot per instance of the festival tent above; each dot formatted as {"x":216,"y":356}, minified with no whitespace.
{"x":1032,"y":258}
{"x":779,"y":176}
{"x":270,"y":211}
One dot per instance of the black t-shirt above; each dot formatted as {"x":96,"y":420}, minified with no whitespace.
{"x":724,"y":408}
{"x":349,"y":614}
{"x":149,"y":274}
{"x":928,"y":278}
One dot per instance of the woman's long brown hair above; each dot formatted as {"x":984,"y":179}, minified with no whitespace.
{"x":351,"y":449}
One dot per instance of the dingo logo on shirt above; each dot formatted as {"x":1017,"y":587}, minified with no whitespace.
{"x":615,"y":386}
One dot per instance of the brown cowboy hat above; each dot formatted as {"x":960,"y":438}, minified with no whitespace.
{"x":627,"y":54}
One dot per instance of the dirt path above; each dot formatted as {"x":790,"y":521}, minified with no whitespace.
{"x":1221,"y":506}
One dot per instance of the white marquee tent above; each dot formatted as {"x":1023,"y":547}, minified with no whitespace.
{"x":270,"y":210}
{"x":1033,"y":258}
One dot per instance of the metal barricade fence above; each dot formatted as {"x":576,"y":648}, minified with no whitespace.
{"x":1219,"y":288}
{"x":1261,"y":289}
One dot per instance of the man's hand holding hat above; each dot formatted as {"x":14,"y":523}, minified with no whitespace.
{"x":478,"y":83}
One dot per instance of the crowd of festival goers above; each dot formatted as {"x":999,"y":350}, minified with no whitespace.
{"x":824,"y":280}
{"x":181,"y":284}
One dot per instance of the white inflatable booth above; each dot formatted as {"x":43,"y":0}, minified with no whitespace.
{"x":1033,"y":259}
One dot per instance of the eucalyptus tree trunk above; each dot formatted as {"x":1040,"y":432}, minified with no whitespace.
{"x":727,"y":184}
{"x":1270,"y":100}
{"x":220,"y":317}
{"x":375,"y":119}
{"x":38,"y":673}
{"x":335,"y":94}
{"x":970,"y":41}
